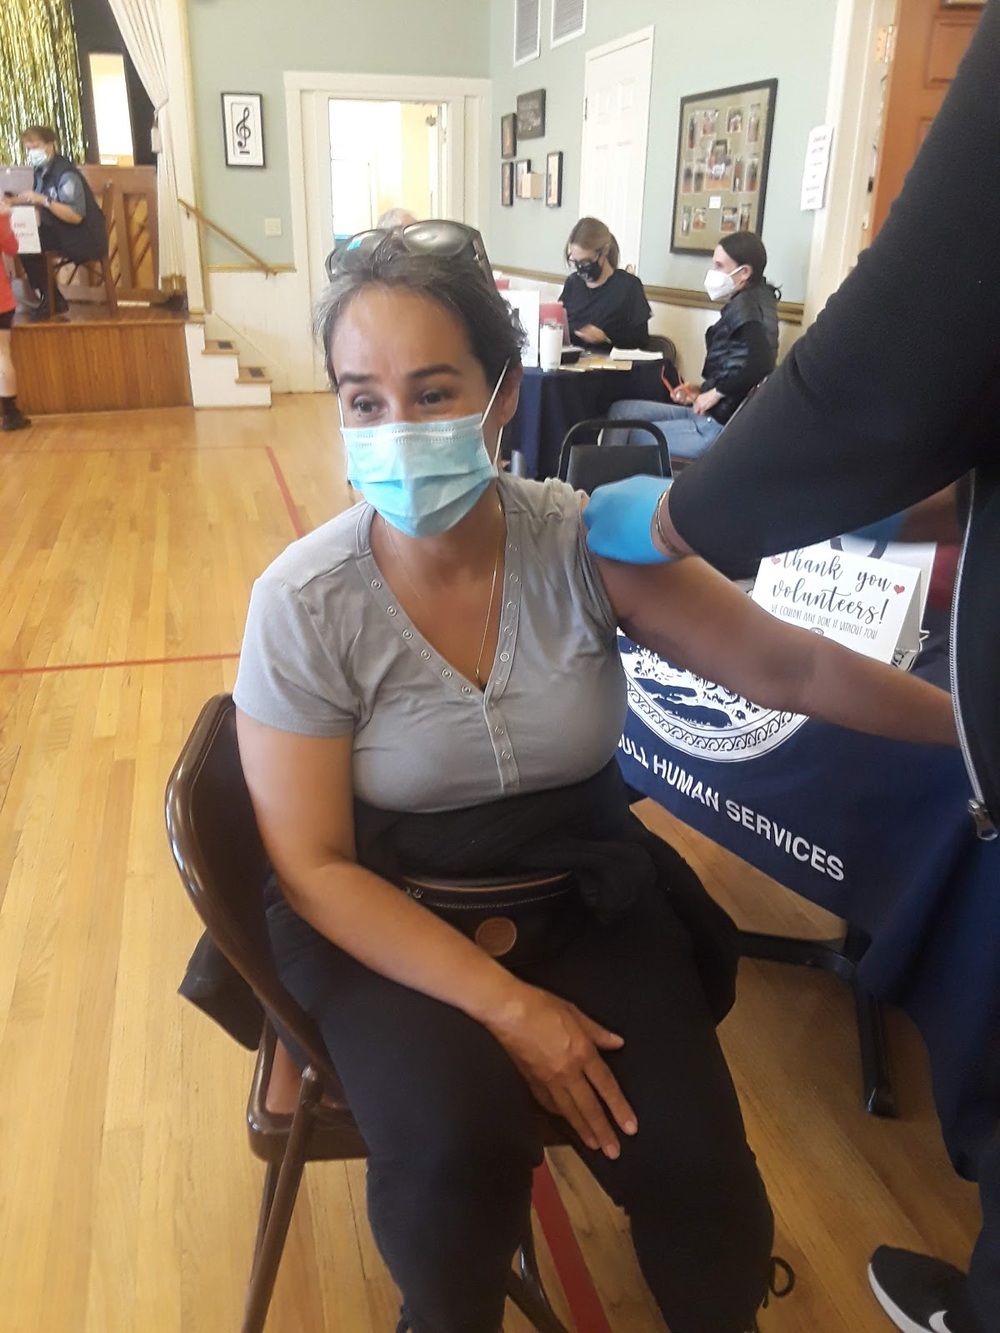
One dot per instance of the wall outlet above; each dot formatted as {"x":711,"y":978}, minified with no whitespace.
{"x":272,"y":226}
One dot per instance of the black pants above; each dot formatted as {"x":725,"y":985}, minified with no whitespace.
{"x":452,"y":1131}
{"x":984,"y":1271}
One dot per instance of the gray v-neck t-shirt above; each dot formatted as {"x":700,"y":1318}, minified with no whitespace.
{"x":328,"y":651}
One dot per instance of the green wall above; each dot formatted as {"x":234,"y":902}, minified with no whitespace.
{"x":697,"y":45}
{"x":247,"y":45}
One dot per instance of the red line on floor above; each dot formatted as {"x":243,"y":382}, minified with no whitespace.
{"x":581,"y":1296}
{"x":107,"y":666}
{"x":286,"y":494}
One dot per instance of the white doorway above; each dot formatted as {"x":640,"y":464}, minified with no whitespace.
{"x":384,"y":155}
{"x":360,"y":144}
{"x":615,"y":130}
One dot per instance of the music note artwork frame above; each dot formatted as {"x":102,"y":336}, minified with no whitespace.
{"x":243,"y":128}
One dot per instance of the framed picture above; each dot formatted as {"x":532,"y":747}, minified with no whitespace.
{"x":531,"y":114}
{"x":243,"y":129}
{"x":553,"y":180}
{"x":508,"y":135}
{"x":506,"y":184}
{"x":723,"y":147}
{"x":522,"y":184}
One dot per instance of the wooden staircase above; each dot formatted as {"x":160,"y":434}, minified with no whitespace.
{"x":217,"y":378}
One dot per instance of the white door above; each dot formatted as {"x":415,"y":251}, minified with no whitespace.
{"x":615,"y":129}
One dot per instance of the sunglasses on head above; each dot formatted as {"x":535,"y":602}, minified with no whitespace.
{"x":449,"y":240}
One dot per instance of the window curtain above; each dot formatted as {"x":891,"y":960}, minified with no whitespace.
{"x":39,"y":75}
{"x":141,"y":27}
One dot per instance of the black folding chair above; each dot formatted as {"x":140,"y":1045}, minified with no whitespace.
{"x":587,"y":464}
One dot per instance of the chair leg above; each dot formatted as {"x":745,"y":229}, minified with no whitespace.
{"x":51,"y":284}
{"x":110,"y":291}
{"x":271,"y":1245}
{"x":266,"y":1204}
{"x":525,"y":1289}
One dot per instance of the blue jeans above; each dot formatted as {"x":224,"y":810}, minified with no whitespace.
{"x":688,"y":435}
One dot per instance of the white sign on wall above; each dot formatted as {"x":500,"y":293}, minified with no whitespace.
{"x":872,"y":606}
{"x":817,"y":167}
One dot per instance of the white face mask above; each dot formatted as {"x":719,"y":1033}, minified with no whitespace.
{"x":37,"y":157}
{"x":719,"y":285}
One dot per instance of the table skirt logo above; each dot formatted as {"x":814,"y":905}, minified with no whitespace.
{"x":696,"y":716}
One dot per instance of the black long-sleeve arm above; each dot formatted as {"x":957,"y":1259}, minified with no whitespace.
{"x":750,"y":359}
{"x":895,"y":390}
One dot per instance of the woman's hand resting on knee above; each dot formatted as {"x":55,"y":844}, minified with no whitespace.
{"x":557,"y":1050}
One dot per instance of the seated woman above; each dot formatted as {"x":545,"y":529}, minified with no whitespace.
{"x":70,"y":223}
{"x":605,"y":306}
{"x":742,"y":349}
{"x":430,"y":686}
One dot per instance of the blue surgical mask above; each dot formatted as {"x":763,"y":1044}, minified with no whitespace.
{"x":37,"y":157}
{"x":423,"y":477}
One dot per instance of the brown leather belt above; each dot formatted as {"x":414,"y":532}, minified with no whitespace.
{"x":516,"y":918}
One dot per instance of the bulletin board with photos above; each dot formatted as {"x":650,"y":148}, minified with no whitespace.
{"x":723,"y":148}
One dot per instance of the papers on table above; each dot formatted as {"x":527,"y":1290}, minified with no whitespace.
{"x":634,"y":354}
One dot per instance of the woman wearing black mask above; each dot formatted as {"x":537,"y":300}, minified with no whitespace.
{"x":605,"y":306}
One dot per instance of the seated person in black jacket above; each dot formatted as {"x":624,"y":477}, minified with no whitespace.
{"x":742,"y":350}
{"x":402,"y":657}
{"x":605,"y":306}
{"x":70,"y":222}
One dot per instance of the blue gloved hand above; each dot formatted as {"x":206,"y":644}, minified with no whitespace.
{"x":619,"y":519}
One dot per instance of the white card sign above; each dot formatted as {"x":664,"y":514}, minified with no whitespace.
{"x":816,"y":168}
{"x":527,"y":305}
{"x":872,"y":606}
{"x":24,"y":225}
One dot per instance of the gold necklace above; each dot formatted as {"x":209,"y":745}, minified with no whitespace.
{"x":493,"y":587}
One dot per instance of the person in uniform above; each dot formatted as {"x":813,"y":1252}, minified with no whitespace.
{"x":70,"y":221}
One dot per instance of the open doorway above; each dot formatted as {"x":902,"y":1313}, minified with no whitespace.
{"x":384,"y":155}
{"x":361,"y":143}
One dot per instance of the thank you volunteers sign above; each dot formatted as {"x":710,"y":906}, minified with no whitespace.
{"x":870,"y":605}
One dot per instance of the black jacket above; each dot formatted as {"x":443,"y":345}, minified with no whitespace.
{"x":742,"y":347}
{"x":587,"y":828}
{"x":80,"y":241}
{"x":893,"y":393}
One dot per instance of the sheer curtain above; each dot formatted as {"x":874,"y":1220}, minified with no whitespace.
{"x":39,"y":75}
{"x":141,"y":26}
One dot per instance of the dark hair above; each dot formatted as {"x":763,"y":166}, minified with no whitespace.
{"x":593,"y":234}
{"x":458,"y":286}
{"x":746,"y":247}
{"x":43,"y":132}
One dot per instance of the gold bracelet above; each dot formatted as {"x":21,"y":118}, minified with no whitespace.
{"x":671,"y":550}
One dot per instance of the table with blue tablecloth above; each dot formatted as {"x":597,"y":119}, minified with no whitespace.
{"x":875,"y":831}
{"x":553,"y":400}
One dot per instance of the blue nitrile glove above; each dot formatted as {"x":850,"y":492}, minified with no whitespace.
{"x":619,"y":519}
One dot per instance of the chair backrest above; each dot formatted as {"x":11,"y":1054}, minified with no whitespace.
{"x":588,"y":465}
{"x":554,"y":312}
{"x":223,"y":865}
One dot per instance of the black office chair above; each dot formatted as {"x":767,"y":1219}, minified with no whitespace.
{"x":587,"y":464}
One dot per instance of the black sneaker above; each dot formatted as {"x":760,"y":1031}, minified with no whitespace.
{"x":16,"y":422}
{"x":920,"y":1294}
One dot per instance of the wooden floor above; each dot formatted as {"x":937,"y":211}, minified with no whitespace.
{"x":128,"y":1196}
